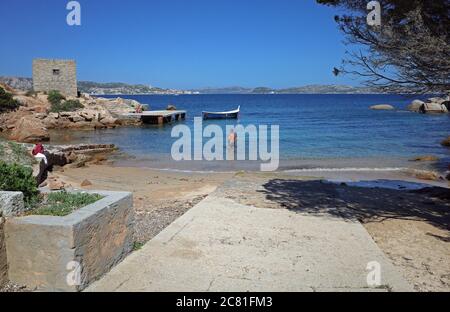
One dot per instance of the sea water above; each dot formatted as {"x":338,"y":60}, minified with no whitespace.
{"x":317,"y":132}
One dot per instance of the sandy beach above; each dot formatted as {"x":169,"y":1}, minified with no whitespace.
{"x":411,"y":227}
{"x":160,"y":197}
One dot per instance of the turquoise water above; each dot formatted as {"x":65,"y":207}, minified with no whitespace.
{"x":315,"y":130}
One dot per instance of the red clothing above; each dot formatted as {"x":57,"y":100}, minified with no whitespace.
{"x":38,"y":149}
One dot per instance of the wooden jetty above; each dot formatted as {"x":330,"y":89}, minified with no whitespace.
{"x":158,"y":117}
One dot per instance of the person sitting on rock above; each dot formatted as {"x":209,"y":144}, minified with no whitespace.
{"x":39,"y":153}
{"x":47,"y":160}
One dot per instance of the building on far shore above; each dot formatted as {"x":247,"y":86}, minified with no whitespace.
{"x":60,"y":75}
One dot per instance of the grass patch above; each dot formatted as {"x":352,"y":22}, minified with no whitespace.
{"x":61,"y":204}
{"x":17,"y":149}
{"x":12,"y":152}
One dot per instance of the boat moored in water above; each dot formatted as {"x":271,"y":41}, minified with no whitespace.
{"x":234,"y":114}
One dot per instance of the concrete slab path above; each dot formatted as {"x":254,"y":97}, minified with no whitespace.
{"x":220,"y":245}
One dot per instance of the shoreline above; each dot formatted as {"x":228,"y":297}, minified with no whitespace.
{"x":428,"y":172}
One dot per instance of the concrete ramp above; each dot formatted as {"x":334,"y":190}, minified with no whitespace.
{"x":220,"y":245}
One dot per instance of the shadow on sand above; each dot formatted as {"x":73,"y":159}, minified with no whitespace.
{"x":367,"y":205}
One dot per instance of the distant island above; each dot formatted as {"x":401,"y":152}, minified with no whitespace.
{"x":119,"y":88}
{"x":309,"y":89}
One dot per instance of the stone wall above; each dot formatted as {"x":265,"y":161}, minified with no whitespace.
{"x":68,"y":253}
{"x":3,"y":261}
{"x":11,"y":204}
{"x":55,"y":75}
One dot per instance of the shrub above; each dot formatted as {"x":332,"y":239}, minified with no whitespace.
{"x":66,"y":106}
{"x":18,"y":178}
{"x":55,"y":98}
{"x":7,"y":103}
{"x":31,"y":93}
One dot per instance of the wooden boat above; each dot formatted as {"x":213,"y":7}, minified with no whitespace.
{"x":234,"y":114}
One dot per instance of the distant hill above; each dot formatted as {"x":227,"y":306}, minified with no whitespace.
{"x":96,"y":88}
{"x":309,"y":89}
{"x":227,"y":90}
{"x":123,"y":88}
{"x":23,"y":84}
{"x":118,"y":88}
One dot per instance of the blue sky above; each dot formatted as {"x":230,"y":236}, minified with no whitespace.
{"x":178,"y":43}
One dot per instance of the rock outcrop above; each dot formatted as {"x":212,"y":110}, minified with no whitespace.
{"x":82,"y":119}
{"x":415,"y":106}
{"x":382,"y":107}
{"x":426,"y":175}
{"x":30,"y":130}
{"x":433,"y":108}
{"x":79,"y":155}
{"x":426,"y":158}
{"x":31,"y":122}
{"x":114,"y":106}
{"x":86,"y":183}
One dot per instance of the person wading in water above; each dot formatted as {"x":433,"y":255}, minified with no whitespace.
{"x":232,"y":141}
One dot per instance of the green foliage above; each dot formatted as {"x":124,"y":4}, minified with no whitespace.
{"x":31,"y":93}
{"x":138,"y":246}
{"x":66,"y":106}
{"x":59,"y":104}
{"x":18,"y":178}
{"x":63,"y":203}
{"x":7,"y":103}
{"x":55,"y":98}
{"x":407,"y":53}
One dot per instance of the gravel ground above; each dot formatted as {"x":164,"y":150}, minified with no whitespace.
{"x":10,"y":288}
{"x":154,"y":217}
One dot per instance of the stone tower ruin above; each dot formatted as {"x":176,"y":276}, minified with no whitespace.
{"x":60,"y":75}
